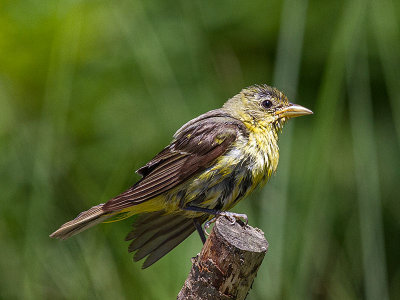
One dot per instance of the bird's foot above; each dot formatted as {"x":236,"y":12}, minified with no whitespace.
{"x":231,"y":216}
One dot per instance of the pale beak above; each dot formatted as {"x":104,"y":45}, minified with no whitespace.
{"x":293,"y":110}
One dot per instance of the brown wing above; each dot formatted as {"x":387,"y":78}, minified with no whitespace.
{"x":195,"y":146}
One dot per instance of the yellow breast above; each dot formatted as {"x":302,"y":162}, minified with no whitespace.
{"x":262,"y":145}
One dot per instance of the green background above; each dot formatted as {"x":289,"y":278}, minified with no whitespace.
{"x":91,"y":90}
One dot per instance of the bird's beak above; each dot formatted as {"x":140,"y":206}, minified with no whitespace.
{"x":293,"y":110}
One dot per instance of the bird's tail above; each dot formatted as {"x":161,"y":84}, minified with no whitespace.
{"x":83,"y":221}
{"x":155,"y":234}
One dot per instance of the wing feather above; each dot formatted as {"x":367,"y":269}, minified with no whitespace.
{"x":195,"y":146}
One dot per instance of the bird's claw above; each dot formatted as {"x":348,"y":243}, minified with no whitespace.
{"x":231,"y":216}
{"x":208,"y":224}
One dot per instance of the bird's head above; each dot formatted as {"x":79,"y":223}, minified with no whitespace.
{"x":264,"y":105}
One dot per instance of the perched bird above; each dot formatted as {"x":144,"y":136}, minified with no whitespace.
{"x":213,"y":162}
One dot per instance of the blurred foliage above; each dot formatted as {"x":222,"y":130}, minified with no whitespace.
{"x":91,"y":90}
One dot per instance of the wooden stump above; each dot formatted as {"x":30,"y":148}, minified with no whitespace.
{"x":227,"y":264}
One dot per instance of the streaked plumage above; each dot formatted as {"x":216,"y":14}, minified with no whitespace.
{"x":213,"y":162}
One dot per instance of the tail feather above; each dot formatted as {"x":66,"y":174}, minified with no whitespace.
{"x":168,"y":244}
{"x":148,"y":233}
{"x":146,"y":223}
{"x":83,"y":221}
{"x":155,"y":234}
{"x":160,"y":237}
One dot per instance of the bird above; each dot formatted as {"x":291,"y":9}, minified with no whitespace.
{"x":213,"y":162}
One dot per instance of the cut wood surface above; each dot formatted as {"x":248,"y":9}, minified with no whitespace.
{"x":227,"y":264}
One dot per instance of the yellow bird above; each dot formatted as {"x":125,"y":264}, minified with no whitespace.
{"x":213,"y":162}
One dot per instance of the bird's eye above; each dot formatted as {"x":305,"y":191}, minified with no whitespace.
{"x":266,"y":104}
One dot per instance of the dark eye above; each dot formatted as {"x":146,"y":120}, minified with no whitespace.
{"x":266,"y":104}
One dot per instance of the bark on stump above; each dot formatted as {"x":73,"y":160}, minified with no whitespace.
{"x":227,"y":264}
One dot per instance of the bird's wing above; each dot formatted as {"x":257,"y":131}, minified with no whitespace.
{"x":195,"y":146}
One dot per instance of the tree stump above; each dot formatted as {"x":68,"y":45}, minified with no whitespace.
{"x":227,"y":264}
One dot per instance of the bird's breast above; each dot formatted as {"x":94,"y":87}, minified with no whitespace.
{"x":262,"y":146}
{"x":248,"y":163}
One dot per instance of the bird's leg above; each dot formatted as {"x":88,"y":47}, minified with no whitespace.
{"x":230,"y":215}
{"x":208,"y":211}
{"x":200,"y":230}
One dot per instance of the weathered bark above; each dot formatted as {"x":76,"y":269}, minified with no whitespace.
{"x":227,"y":264}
